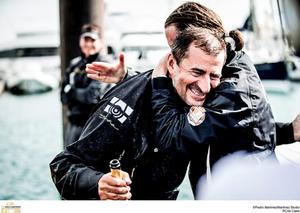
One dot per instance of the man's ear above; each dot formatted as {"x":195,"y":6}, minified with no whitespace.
{"x":171,"y":64}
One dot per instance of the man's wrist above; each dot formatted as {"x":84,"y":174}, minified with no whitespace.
{"x":125,"y":73}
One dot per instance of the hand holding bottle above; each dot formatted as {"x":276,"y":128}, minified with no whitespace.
{"x":114,"y":185}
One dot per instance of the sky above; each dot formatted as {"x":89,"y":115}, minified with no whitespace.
{"x":233,"y":12}
{"x":43,"y":15}
{"x":27,"y":16}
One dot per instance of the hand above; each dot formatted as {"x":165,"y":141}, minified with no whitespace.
{"x":110,"y":188}
{"x":296,"y":128}
{"x":106,"y":72}
{"x":161,"y":69}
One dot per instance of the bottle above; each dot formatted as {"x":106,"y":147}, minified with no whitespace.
{"x":115,"y":168}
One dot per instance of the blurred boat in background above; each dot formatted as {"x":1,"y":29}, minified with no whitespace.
{"x":27,"y":77}
{"x":30,"y":64}
{"x":143,"y":50}
{"x":267,"y":44}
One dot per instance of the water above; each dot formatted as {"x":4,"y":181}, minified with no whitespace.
{"x":31,"y":135}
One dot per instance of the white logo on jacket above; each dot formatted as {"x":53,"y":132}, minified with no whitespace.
{"x":119,"y":109}
{"x":196,"y":115}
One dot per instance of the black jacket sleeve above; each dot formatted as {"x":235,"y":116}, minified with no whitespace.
{"x":77,"y":170}
{"x":284,"y":133}
{"x":73,"y":179}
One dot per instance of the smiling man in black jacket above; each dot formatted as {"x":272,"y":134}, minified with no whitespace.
{"x":123,"y":127}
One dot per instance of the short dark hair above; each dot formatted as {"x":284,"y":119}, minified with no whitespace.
{"x":202,"y":38}
{"x":197,"y":15}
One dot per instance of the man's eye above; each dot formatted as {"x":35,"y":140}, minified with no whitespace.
{"x":198,"y":73}
{"x":215,"y":77}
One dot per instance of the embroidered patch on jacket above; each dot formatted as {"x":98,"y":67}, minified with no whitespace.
{"x":196,"y":115}
{"x":119,"y":109}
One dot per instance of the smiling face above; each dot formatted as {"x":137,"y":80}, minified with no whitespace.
{"x":196,"y":74}
{"x":90,"y":46}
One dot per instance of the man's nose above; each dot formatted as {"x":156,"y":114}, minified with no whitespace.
{"x":89,"y":43}
{"x":215,"y":83}
{"x":205,"y":84}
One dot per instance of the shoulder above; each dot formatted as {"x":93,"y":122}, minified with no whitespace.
{"x":238,"y":63}
{"x":238,"y":58}
{"x":73,"y":63}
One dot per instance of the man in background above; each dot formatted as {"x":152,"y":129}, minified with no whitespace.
{"x":78,"y":92}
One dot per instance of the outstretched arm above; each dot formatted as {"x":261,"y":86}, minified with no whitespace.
{"x":73,"y":179}
{"x":107,"y":72}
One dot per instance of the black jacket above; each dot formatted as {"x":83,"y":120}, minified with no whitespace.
{"x":121,"y":126}
{"x":80,"y":93}
{"x":116,"y":131}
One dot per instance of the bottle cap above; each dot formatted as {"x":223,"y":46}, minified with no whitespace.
{"x":115,"y":164}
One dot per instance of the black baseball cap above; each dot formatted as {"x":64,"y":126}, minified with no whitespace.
{"x":91,"y":31}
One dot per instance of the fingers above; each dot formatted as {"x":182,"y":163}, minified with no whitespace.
{"x":110,"y":192}
{"x":104,"y":186}
{"x":110,"y":188}
{"x":112,"y":196}
{"x":100,"y":72}
{"x":95,"y":77}
{"x":126,"y":178}
{"x":100,"y":65}
{"x":161,"y":69}
{"x":96,"y":67}
{"x":102,"y":78}
{"x":91,"y":71}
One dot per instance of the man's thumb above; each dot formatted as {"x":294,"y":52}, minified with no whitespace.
{"x":122,"y":58}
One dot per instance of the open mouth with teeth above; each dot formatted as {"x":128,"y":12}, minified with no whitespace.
{"x":196,"y":93}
